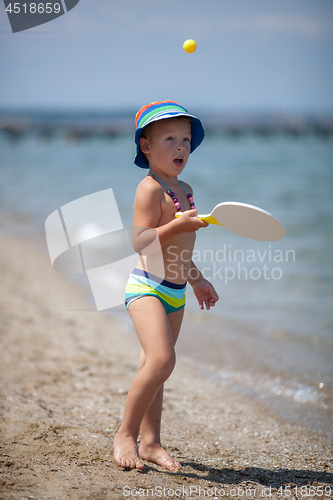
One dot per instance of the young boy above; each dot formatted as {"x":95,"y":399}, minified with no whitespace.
{"x":166,"y":135}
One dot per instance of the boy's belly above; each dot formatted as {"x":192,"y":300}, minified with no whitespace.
{"x":174,"y":261}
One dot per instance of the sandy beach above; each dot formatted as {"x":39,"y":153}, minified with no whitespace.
{"x":65,"y":372}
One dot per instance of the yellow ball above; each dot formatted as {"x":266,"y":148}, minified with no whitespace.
{"x":189,"y":46}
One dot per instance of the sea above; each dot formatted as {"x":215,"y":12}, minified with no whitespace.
{"x":270,"y":335}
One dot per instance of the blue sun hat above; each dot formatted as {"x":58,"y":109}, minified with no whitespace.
{"x":159,"y":111}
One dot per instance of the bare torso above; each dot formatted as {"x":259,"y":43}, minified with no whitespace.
{"x":177,"y":253}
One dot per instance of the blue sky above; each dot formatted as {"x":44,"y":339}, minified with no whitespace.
{"x":252,"y":55}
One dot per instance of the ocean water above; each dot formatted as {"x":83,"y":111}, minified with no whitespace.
{"x":279,"y":294}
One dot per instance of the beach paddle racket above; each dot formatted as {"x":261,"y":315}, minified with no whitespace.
{"x":245,"y":220}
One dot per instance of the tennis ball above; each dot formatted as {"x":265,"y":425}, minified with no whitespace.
{"x":189,"y":46}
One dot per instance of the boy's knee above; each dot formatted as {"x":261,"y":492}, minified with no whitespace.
{"x":169,"y":364}
{"x":163,"y":366}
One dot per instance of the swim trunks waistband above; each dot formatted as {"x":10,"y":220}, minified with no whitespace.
{"x":141,"y":272}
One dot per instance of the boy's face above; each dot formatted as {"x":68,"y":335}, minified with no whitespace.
{"x":168,"y":145}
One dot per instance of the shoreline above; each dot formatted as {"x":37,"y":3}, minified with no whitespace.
{"x":63,"y":384}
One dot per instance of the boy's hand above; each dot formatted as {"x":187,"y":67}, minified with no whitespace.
{"x":205,"y":293}
{"x":188,"y":221}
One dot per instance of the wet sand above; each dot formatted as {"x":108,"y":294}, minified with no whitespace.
{"x":290,"y":376}
{"x":65,"y":371}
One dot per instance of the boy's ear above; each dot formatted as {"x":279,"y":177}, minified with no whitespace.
{"x":144,"y":145}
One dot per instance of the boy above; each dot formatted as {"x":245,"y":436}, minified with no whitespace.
{"x":166,"y":135}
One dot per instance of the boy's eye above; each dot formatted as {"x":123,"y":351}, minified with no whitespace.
{"x":187,"y":139}
{"x":170,"y":139}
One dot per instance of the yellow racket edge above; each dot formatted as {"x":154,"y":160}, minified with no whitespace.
{"x":207,"y":218}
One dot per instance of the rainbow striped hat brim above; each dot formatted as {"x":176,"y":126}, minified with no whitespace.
{"x":159,"y":111}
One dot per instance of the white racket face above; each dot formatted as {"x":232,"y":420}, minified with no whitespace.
{"x":249,"y":221}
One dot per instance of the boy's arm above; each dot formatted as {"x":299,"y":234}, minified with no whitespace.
{"x":194,"y":274}
{"x":185,"y":223}
{"x":203,"y":290}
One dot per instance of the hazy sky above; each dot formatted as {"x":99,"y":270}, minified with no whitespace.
{"x":251,"y":55}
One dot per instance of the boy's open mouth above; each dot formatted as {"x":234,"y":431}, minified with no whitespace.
{"x":178,"y":161}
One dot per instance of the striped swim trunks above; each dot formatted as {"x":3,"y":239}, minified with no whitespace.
{"x":140,"y":284}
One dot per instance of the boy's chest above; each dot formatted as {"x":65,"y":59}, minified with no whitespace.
{"x":169,"y":209}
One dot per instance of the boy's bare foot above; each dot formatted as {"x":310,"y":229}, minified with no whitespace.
{"x":126,"y":452}
{"x":158,"y":455}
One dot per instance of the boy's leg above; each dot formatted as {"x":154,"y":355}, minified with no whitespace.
{"x":155,"y":335}
{"x":150,"y":445}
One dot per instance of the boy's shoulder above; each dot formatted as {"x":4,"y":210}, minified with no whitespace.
{"x":148,"y":184}
{"x":148,"y":187}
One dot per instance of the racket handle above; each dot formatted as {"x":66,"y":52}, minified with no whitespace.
{"x":178,"y":214}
